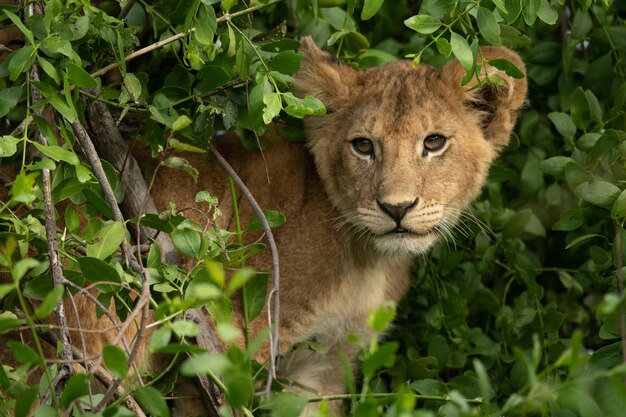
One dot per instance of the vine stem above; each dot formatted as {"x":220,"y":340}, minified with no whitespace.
{"x":342,"y":397}
{"x":620,"y":286}
{"x":174,"y":38}
{"x":274,"y":293}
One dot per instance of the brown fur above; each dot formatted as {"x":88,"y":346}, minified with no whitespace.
{"x":339,"y":259}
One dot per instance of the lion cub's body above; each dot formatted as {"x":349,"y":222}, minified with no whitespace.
{"x":367,"y":193}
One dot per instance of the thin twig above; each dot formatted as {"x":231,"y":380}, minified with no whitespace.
{"x":620,"y":286}
{"x":94,"y":160}
{"x":274,"y":342}
{"x":174,"y":38}
{"x":65,"y":371}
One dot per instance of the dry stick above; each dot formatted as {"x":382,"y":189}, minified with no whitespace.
{"x":65,"y":370}
{"x":620,"y":286}
{"x":109,"y":196}
{"x":178,"y":36}
{"x":274,"y":343}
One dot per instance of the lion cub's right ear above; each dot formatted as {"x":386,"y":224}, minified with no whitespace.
{"x":323,"y":76}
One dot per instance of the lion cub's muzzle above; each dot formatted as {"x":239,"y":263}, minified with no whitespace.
{"x":397,"y":211}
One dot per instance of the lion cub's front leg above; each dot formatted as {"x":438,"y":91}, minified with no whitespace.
{"x":317,"y":374}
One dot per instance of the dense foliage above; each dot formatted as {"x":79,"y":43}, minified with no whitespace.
{"x":521,"y":314}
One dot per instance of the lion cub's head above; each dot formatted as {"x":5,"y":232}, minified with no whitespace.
{"x":402,"y":151}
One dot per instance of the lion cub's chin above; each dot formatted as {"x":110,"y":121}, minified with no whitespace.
{"x":405,"y":243}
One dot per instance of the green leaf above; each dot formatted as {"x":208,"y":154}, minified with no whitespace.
{"x":563,"y":123}
{"x":24,"y":354}
{"x":24,"y":187}
{"x":619,"y":208}
{"x":187,"y":241}
{"x":381,"y":318}
{"x":580,"y":109}
{"x":286,"y":62}
{"x":599,"y":193}
{"x":429,"y":387}
{"x":300,"y":107}
{"x":21,"y":267}
{"x":273,"y":105}
{"x":462,"y":50}
{"x":20,"y":61}
{"x":488,"y":26}
{"x":9,"y":97}
{"x":80,"y":77}
{"x":256,"y":292}
{"x":384,"y":356}
{"x":107,"y":240}
{"x":159,"y":339}
{"x":546,"y":13}
{"x":206,"y":24}
{"x":424,"y":24}
{"x":24,"y":401}
{"x":179,"y":163}
{"x":370,"y":7}
{"x":58,"y":154}
{"x":96,"y":270}
{"x":274,"y":219}
{"x":17,"y":22}
{"x":508,"y":67}
{"x":115,"y":360}
{"x":185,"y":328}
{"x":8,"y":144}
{"x":444,"y":47}
{"x":77,"y":386}
{"x":530,"y":11}
{"x":152,"y":401}
{"x":569,"y":221}
{"x":131,"y":90}
{"x":582,"y":239}
{"x":204,"y":363}
{"x":49,"y":69}
{"x":44,"y":410}
{"x":555,"y":165}
{"x":181,"y":123}
{"x":49,"y":302}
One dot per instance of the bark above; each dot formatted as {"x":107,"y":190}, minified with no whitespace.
{"x":137,"y":200}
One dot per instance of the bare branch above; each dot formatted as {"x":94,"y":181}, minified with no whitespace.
{"x":274,"y":342}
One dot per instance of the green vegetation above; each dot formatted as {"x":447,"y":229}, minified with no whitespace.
{"x":521,"y":315}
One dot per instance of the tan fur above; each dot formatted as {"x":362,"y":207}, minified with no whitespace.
{"x":339,"y":259}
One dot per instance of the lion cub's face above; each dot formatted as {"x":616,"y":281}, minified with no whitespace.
{"x":402,"y":151}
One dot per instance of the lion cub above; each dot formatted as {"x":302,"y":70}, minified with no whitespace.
{"x":399,"y":154}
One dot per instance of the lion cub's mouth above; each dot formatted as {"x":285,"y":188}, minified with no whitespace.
{"x":399,"y":230}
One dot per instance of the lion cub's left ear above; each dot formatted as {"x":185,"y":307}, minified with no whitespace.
{"x":323,"y":76}
{"x":498,"y":104}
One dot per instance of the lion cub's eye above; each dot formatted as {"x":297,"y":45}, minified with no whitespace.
{"x":433,"y":143}
{"x":363,"y":146}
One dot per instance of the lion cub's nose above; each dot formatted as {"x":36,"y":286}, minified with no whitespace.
{"x":397,"y":211}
